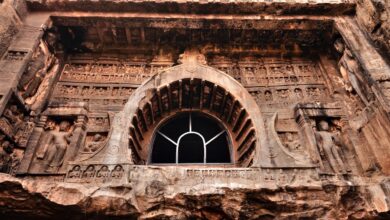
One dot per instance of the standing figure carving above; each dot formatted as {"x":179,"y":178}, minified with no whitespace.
{"x":351,"y":72}
{"x":329,"y":146}
{"x":55,"y":145}
{"x":6,"y":150}
{"x":36,"y":71}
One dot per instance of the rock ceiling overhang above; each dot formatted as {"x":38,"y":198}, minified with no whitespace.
{"x":316,"y":7}
{"x":192,"y":21}
{"x":183,"y":30}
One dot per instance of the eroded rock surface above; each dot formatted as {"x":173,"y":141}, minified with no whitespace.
{"x":374,"y":15}
{"x":10,"y":22}
{"x":149,"y":198}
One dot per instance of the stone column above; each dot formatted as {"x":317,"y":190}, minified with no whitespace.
{"x":309,"y":137}
{"x":78,"y":134}
{"x":32,"y":146}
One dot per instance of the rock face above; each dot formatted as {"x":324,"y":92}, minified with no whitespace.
{"x":10,"y":22}
{"x":200,"y":198}
{"x":375,"y":17}
{"x":194,"y":110}
{"x":8,"y":25}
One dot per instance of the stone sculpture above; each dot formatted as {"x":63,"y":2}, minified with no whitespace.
{"x":330,"y":147}
{"x":55,"y":145}
{"x":94,"y":144}
{"x":351,"y":72}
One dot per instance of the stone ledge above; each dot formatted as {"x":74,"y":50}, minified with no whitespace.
{"x":149,"y":198}
{"x":278,"y":7}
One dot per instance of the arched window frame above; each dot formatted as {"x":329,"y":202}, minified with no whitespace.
{"x":190,"y":131}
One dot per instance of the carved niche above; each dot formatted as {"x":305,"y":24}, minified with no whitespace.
{"x":323,"y":126}
{"x":97,"y":132}
{"x":285,"y":143}
{"x":55,"y":140}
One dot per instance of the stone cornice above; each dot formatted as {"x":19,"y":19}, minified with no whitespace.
{"x":278,"y":7}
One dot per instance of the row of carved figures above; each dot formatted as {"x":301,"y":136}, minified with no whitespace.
{"x":287,"y":93}
{"x":87,"y":91}
{"x":256,"y":74}
{"x":93,"y":101}
{"x":90,"y":172}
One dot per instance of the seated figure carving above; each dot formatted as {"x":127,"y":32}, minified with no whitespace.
{"x":117,"y":173}
{"x":94,"y":144}
{"x":89,"y":172}
{"x":75,"y":172}
{"x":103,"y":172}
{"x":291,"y":143}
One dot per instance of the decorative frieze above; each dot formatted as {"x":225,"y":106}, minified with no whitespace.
{"x":95,"y":173}
{"x":14,"y":55}
{"x":107,"y":73}
{"x":92,"y":91}
{"x":285,"y":96}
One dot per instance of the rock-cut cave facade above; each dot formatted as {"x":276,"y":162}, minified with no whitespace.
{"x":196,"y":109}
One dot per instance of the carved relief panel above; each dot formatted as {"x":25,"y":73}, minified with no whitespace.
{"x":108,"y":73}
{"x":55,"y":140}
{"x":38,"y":77}
{"x":53,"y":145}
{"x":276,"y":83}
{"x":325,"y":137}
{"x":96,"y":173}
{"x":94,"y":95}
{"x":15,"y":130}
{"x":104,"y":82}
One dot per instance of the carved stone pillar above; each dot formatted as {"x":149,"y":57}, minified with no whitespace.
{"x":79,"y":134}
{"x":32,"y":146}
{"x":306,"y":127}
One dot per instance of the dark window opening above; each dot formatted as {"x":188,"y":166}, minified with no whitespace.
{"x":191,"y":149}
{"x":191,"y":138}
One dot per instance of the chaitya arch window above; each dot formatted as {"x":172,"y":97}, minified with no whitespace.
{"x":160,"y":122}
{"x":191,"y":138}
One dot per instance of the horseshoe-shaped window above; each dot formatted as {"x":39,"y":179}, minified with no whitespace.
{"x":192,"y":138}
